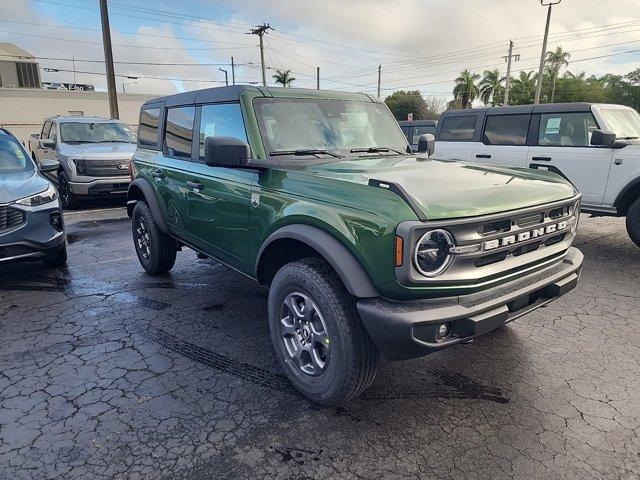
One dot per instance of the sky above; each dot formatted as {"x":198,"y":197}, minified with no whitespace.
{"x":421,"y":45}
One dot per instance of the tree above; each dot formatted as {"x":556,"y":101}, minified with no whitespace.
{"x":523,"y":88}
{"x":284,"y":78}
{"x":555,"y":61}
{"x":465,"y":88}
{"x":402,"y":103}
{"x":490,"y":86}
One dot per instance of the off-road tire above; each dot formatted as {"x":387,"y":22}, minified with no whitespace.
{"x":161,"y":254}
{"x":353,"y":359}
{"x":67,"y":198}
{"x":633,"y":222}
{"x":56,"y":259}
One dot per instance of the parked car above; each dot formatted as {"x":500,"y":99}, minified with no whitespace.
{"x":366,"y":247}
{"x":94,"y":155}
{"x":595,"y":146}
{"x":413,"y":129}
{"x":31,"y":222}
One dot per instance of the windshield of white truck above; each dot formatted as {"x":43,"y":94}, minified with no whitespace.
{"x":624,"y":123}
{"x":12,"y":157}
{"x":98,"y":132}
{"x":319,"y":127}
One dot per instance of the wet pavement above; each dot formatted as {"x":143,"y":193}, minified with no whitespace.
{"x":106,"y":372}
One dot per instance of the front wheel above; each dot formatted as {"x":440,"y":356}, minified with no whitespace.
{"x":318,"y":336}
{"x":633,"y":222}
{"x":67,"y":197}
{"x":56,"y":259}
{"x":155,"y":249}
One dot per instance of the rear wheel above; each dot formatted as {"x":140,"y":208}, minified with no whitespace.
{"x":68,"y":199}
{"x":318,"y":336}
{"x":155,"y":249}
{"x":633,"y":222}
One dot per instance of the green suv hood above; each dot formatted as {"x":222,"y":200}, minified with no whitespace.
{"x":446,"y":189}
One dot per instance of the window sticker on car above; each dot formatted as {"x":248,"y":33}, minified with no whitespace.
{"x":553,"y":126}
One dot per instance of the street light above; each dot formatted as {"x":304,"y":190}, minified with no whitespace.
{"x":129,"y":83}
{"x":226,"y":77}
{"x":548,"y":4}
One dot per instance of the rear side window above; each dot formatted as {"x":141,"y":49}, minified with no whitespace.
{"x":407,"y":132}
{"x":417,"y":131}
{"x":458,"y":128}
{"x":178,"y":137}
{"x":45,"y":130}
{"x":148,"y":127}
{"x":222,"y":120}
{"x":566,"y":129}
{"x":506,"y":130}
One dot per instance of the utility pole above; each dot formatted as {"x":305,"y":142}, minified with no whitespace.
{"x":549,"y":4}
{"x":260,"y":31}
{"x":507,"y":82}
{"x":73,"y":59}
{"x":379,"y":75}
{"x":108,"y":60}
{"x":233,"y":72}
{"x":317,"y":78}
{"x":226,"y":78}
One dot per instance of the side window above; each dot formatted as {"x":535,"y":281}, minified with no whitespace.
{"x":417,"y":131}
{"x":458,"y":128}
{"x":222,"y":120}
{"x":407,"y":133}
{"x":148,"y":127}
{"x":506,"y":130}
{"x":178,"y":136}
{"x":566,"y":129}
{"x":53,"y":134}
{"x":45,"y":130}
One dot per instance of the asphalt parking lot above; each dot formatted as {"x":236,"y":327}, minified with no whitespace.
{"x":106,"y":372}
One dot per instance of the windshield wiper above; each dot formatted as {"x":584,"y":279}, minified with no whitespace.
{"x":628,"y":138}
{"x":376,"y":150}
{"x":304,"y":151}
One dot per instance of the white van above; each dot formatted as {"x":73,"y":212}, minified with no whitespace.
{"x":595,"y":146}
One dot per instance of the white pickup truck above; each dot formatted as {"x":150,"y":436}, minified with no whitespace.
{"x":94,"y":155}
{"x":595,"y":146}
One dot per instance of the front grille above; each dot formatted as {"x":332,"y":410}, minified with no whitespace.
{"x":14,"y":251}
{"x":106,"y":168}
{"x":10,"y":218}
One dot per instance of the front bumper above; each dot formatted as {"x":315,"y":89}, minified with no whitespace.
{"x":102,"y":186}
{"x":36,"y":237}
{"x":404,"y":330}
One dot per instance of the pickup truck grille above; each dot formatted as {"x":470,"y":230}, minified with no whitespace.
{"x":10,"y":218}
{"x":106,"y":168}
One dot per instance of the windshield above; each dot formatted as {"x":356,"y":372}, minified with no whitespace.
{"x":318,"y":126}
{"x":98,"y":132}
{"x":12,"y":157}
{"x":625,"y":123}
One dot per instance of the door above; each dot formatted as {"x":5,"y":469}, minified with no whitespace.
{"x":170,"y":171}
{"x":504,"y":141}
{"x":219,"y":198}
{"x":563,"y":146}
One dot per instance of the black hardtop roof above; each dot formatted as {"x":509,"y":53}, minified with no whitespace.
{"x":524,"y":109}
{"x":417,"y":123}
{"x":232,"y":94}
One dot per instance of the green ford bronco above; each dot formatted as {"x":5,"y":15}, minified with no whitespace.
{"x":367,"y":248}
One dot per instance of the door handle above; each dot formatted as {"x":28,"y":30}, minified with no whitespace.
{"x":483,"y":155}
{"x":157,"y":173}
{"x":195,"y":185}
{"x":541,"y":159}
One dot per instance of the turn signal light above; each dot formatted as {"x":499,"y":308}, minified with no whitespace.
{"x":399,"y":252}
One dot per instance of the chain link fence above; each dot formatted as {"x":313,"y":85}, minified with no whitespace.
{"x":22,"y":131}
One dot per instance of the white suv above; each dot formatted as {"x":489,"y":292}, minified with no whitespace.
{"x":595,"y":146}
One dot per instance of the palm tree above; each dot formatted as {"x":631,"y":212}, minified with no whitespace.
{"x":465,"y":88}
{"x":284,"y":78}
{"x":490,"y":84}
{"x":555,"y":61}
{"x":523,"y":88}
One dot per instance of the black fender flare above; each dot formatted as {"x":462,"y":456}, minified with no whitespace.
{"x":348,"y":268}
{"x":150,"y":198}
{"x":632,"y":184}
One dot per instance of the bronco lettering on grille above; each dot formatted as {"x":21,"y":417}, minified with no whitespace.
{"x":524,"y":236}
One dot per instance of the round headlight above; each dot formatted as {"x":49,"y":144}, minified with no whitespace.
{"x":432,"y":255}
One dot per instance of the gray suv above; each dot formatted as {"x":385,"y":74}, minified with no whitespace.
{"x":93,"y":152}
{"x":31,"y":222}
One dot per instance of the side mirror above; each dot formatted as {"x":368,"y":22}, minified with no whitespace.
{"x":47,"y":143}
{"x":603,"y":139}
{"x":427,"y":143}
{"x":225,"y":152}
{"x":49,"y":165}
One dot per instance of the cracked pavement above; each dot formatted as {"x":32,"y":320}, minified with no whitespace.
{"x":106,"y":372}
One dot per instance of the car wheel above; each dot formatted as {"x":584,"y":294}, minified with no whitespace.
{"x":317,"y":333}
{"x":57,"y":259}
{"x":155,"y":249}
{"x":67,"y":198}
{"x":633,"y":222}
